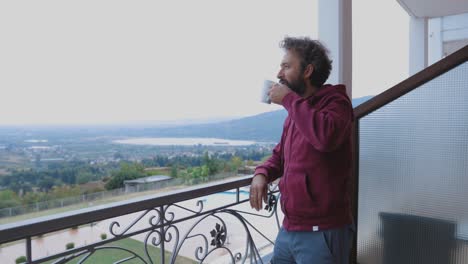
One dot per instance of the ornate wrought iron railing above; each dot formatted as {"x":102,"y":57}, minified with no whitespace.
{"x":208,"y":223}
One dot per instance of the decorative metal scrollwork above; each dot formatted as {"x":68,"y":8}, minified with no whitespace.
{"x":271,"y":203}
{"x":116,"y":224}
{"x":163,"y":230}
{"x":219,"y":236}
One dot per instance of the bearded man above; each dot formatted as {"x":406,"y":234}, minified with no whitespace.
{"x":312,"y":159}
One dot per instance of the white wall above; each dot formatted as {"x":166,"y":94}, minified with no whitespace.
{"x":446,"y":35}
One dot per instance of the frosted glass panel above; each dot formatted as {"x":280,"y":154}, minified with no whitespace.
{"x":413,"y":176}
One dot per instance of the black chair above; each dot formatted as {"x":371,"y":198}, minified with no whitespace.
{"x":411,"y":239}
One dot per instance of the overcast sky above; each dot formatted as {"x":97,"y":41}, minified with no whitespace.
{"x":94,"y":61}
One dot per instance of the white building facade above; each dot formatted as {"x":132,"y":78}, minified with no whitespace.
{"x":437,"y":29}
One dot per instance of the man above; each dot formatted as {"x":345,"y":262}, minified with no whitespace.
{"x":313,"y":159}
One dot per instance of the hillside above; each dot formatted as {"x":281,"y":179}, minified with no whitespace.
{"x":261,"y":127}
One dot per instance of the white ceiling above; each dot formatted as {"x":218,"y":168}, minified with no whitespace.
{"x":434,"y":8}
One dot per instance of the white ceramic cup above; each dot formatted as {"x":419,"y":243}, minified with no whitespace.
{"x":265,"y":98}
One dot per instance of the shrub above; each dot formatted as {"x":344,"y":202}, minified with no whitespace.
{"x":70,"y":245}
{"x":21,"y":259}
{"x":103,"y":236}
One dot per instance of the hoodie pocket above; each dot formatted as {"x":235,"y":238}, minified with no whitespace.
{"x":308,"y":187}
{"x":283,"y":195}
{"x":300,"y":201}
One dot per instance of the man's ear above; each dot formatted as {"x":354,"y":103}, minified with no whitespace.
{"x":309,"y":69}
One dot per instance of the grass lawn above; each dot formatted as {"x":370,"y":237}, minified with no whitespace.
{"x":108,"y":256}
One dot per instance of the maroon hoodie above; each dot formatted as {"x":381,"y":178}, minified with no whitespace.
{"x":313,"y":160}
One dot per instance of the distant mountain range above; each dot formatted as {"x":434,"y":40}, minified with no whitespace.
{"x":265,"y":127}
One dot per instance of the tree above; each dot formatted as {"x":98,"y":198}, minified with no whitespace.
{"x":186,"y":176}
{"x":236,"y":162}
{"x":211,"y":163}
{"x":128,"y":171}
{"x":197,"y":172}
{"x":34,"y":197}
{"x":84,"y":177}
{"x":46,"y":184}
{"x":174,"y":171}
{"x":64,"y":191}
{"x":205,"y":171}
{"x":9,"y":198}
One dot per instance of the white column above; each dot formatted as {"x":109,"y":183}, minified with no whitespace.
{"x":335,"y":31}
{"x":435,"y":51}
{"x":418,"y":36}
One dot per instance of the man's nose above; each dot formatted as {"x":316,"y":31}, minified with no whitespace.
{"x":280,"y":74}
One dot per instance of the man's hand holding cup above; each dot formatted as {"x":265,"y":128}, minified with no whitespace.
{"x":278,"y":92}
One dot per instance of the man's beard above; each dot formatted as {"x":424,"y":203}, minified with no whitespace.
{"x":297,"y":86}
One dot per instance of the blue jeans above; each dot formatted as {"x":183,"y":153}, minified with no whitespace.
{"x":331,"y":246}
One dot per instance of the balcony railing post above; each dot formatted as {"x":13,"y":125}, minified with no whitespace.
{"x":355,"y":187}
{"x":163,"y":235}
{"x":28,"y":250}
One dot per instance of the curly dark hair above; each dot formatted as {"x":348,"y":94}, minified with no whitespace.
{"x":311,"y":52}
